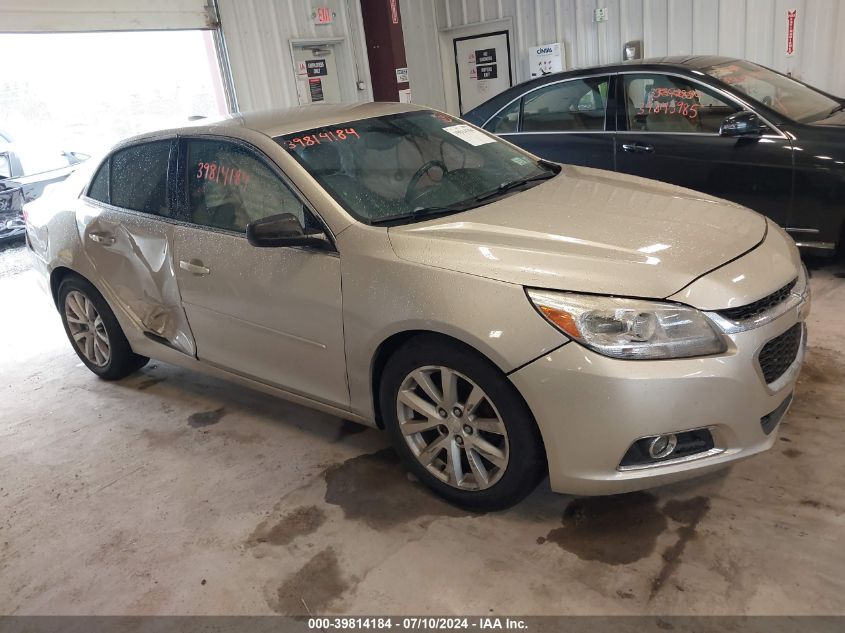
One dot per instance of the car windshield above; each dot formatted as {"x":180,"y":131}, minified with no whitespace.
{"x":784,"y":95}
{"x":409,"y":166}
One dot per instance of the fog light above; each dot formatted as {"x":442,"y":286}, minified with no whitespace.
{"x":662,"y":446}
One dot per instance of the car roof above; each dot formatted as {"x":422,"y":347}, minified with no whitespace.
{"x":281,"y":121}
{"x":682,"y":63}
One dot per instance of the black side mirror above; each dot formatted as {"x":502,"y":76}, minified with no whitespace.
{"x":743,"y":123}
{"x":283,"y":229}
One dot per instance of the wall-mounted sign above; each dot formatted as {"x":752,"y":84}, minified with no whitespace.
{"x":485,"y":56}
{"x":394,"y":11}
{"x":487,"y":72}
{"x":482,"y":67}
{"x":545,"y":60}
{"x":316,"y":68}
{"x":323,"y":15}
{"x":791,"y":16}
{"x":315,"y":87}
{"x":401,"y":75}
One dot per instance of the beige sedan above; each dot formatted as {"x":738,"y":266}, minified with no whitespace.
{"x":502,"y":317}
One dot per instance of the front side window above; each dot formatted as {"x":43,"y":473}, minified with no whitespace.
{"x":410,"y":164}
{"x":138,"y":176}
{"x":5,"y":167}
{"x":784,"y":95}
{"x":570,"y":106}
{"x":505,"y":121}
{"x":229,"y":187}
{"x":665,"y":103}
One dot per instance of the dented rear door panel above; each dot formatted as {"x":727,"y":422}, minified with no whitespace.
{"x":133,"y":255}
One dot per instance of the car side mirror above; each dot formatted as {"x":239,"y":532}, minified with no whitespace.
{"x":283,"y":229}
{"x":743,"y":123}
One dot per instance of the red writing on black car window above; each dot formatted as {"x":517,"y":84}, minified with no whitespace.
{"x":681,"y":102}
{"x":329,"y":136}
{"x":222,"y":173}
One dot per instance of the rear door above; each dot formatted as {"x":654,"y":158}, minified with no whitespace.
{"x":565,"y":122}
{"x":668,"y":129}
{"x":269,"y":314}
{"x":127,"y":225}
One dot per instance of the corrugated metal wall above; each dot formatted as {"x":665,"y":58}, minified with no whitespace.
{"x":258,"y":34}
{"x":752,"y":29}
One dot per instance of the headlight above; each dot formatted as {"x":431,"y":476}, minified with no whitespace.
{"x":630,"y":328}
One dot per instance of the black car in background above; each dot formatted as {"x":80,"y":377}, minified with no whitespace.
{"x":25,"y":171}
{"x":723,"y":126}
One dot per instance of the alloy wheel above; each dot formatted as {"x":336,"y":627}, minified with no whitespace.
{"x":87,"y":328}
{"x":452,"y":427}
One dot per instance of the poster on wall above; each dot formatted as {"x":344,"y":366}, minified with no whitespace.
{"x":545,"y":60}
{"x":791,"y":16}
{"x":483,"y":68}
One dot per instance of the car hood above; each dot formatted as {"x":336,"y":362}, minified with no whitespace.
{"x":588,"y":230}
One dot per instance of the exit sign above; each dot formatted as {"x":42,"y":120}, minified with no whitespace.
{"x":323,"y":15}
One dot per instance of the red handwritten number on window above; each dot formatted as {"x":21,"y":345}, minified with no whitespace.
{"x":681,"y":102}
{"x":222,"y":174}
{"x":330,"y":136}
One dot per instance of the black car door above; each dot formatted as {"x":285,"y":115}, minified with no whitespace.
{"x":668,"y":129}
{"x":565,"y":121}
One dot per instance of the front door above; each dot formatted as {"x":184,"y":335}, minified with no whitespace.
{"x":669,"y":131}
{"x":270,"y":314}
{"x":127,"y":233}
{"x":563,"y":122}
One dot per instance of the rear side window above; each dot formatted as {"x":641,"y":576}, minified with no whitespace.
{"x":570,"y":106}
{"x":99,"y":189}
{"x":138,"y":178}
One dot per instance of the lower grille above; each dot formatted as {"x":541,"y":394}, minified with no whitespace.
{"x":779,"y":353}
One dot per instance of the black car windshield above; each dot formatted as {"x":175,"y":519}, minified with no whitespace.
{"x":408,"y":166}
{"x":790,"y":98}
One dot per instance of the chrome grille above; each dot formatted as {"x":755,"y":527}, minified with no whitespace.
{"x":751,"y":310}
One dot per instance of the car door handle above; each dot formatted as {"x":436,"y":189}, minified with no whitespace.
{"x":194,"y":267}
{"x":638,"y":148}
{"x":106,"y":239}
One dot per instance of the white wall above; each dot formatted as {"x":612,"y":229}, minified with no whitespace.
{"x":751,"y":29}
{"x":258,"y":34}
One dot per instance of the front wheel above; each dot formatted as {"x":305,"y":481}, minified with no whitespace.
{"x":94,"y":332}
{"x":460,"y":426}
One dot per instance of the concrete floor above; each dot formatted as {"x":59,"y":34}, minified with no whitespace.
{"x":173,"y":493}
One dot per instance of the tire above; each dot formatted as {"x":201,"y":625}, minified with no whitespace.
{"x":111,"y":356}
{"x":512,"y":461}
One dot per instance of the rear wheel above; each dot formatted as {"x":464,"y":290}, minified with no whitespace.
{"x":460,"y":425}
{"x":94,"y":331}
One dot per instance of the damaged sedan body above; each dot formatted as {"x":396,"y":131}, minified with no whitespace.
{"x":504,"y":318}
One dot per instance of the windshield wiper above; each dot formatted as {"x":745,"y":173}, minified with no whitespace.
{"x":426,"y":212}
{"x":836,"y":109}
{"x":513,"y":184}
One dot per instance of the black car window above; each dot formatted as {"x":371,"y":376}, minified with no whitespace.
{"x":664,"y":103}
{"x":99,"y":189}
{"x":229,"y":187}
{"x":505,"y":121}
{"x":569,"y":106}
{"x":138,"y":176}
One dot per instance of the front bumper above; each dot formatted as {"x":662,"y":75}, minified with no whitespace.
{"x":591,"y":408}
